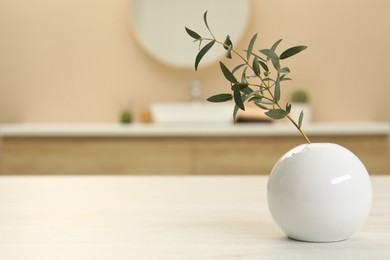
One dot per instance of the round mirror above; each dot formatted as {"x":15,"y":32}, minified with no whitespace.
{"x":159,"y":26}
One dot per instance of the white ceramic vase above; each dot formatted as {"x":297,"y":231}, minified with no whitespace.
{"x":319,"y":192}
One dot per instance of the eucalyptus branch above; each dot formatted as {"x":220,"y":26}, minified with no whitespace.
{"x":241,"y":89}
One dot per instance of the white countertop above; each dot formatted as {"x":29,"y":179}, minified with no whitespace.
{"x":173,"y":217}
{"x":265,"y":129}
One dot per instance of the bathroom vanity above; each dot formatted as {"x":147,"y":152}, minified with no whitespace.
{"x":177,"y":149}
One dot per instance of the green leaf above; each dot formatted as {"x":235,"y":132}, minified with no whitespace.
{"x":238,"y":67}
{"x":254,"y":99}
{"x":277,"y":91}
{"x":250,"y":47}
{"x":226,"y":72}
{"x":276,"y":64}
{"x":283,"y":77}
{"x":264,"y":65}
{"x":265,"y":102}
{"x":245,"y":89}
{"x":272,"y":56}
{"x":251,"y":76}
{"x":268,"y":79}
{"x":288,"y":108}
{"x":236,"y":108}
{"x":237,"y":98}
{"x":220,"y":97}
{"x":261,"y":106}
{"x":256,"y":66}
{"x":240,"y":85}
{"x":285,"y":70}
{"x":292,"y":51}
{"x":193,"y":34}
{"x":235,"y":111}
{"x":276,"y":44}
{"x":206,"y":23}
{"x":229,"y":53}
{"x":227,"y":43}
{"x":300,"y":120}
{"x":202,"y":52}
{"x":276,"y":113}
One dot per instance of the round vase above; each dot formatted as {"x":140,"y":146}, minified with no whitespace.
{"x":319,"y":192}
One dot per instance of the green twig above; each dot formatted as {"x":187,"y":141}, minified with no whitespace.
{"x":265,"y":85}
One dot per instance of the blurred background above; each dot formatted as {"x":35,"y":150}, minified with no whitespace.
{"x":81,"y":61}
{"x":89,"y":61}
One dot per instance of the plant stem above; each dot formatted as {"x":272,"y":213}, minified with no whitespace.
{"x":299,"y":129}
{"x":291,"y":120}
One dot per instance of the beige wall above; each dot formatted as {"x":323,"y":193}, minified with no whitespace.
{"x":76,"y":61}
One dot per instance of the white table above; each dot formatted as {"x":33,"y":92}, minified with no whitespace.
{"x":150,"y":217}
{"x":193,"y":130}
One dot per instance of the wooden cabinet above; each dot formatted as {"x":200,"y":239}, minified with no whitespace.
{"x":167,"y":155}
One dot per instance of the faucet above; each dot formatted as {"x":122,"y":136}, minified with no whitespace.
{"x":196,"y":91}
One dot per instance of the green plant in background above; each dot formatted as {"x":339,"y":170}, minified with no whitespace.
{"x":299,"y":96}
{"x":126,"y":117}
{"x":259,"y":79}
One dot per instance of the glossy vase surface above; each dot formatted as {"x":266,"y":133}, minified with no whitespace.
{"x":319,"y":192}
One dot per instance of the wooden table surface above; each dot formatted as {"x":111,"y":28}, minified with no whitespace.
{"x":172,"y":217}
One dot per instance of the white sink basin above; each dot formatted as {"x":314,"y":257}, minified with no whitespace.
{"x":192,"y":113}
